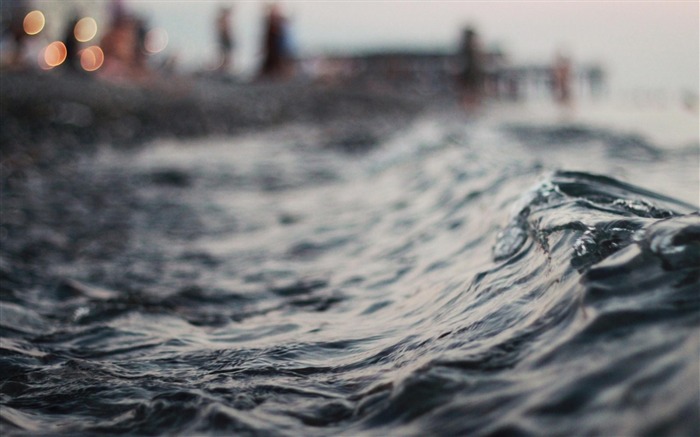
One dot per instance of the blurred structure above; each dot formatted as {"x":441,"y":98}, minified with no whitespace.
{"x":498,"y":81}
{"x":426,"y":73}
{"x":596,"y":80}
{"x":277,"y":62}
{"x":224,"y":39}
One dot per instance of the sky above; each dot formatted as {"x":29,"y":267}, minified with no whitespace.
{"x":644,"y":45}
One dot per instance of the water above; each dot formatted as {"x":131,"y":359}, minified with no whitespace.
{"x":464,"y":277}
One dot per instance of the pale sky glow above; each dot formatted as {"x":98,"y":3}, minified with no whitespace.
{"x":644,"y":44}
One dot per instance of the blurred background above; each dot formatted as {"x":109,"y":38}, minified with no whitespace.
{"x":646,"y":50}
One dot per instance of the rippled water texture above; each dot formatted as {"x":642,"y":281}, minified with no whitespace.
{"x":455,"y":280}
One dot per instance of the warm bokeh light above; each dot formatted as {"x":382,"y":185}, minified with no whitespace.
{"x":34,"y":22}
{"x":85,"y":29}
{"x":156,"y":40}
{"x":55,"y":54}
{"x":92,"y":58}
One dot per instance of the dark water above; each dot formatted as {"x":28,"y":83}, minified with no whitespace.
{"x":455,"y":280}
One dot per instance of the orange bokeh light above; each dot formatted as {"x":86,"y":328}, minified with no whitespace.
{"x":34,"y":22}
{"x":55,"y":54}
{"x":85,"y":29}
{"x":92,"y":58}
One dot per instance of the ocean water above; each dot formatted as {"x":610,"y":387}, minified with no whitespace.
{"x":466,"y":276}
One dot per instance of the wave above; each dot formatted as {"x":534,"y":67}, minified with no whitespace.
{"x":431,"y":296}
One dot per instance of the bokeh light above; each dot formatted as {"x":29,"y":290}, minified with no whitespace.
{"x":34,"y":22}
{"x":92,"y":58}
{"x":156,"y":40}
{"x":55,"y":54}
{"x":85,"y":29}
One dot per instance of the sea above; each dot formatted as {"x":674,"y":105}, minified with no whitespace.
{"x":518,"y":270}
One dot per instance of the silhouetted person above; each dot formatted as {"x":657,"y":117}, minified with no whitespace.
{"x":471,"y":75}
{"x":275,"y":63}
{"x":561,"y":79}
{"x":224,"y":38}
{"x":72,"y":45}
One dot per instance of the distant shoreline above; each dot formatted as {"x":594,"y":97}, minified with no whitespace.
{"x":77,"y":111}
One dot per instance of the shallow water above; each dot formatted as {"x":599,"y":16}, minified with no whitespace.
{"x":469,"y":277}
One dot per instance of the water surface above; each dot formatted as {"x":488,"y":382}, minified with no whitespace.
{"x":463,"y":277}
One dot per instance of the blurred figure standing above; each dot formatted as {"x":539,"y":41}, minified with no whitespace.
{"x":72,"y":44}
{"x":471,"y":74}
{"x":224,"y":39}
{"x":118,"y":44}
{"x":123,"y":50}
{"x":276,"y":62}
{"x":561,"y":79}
